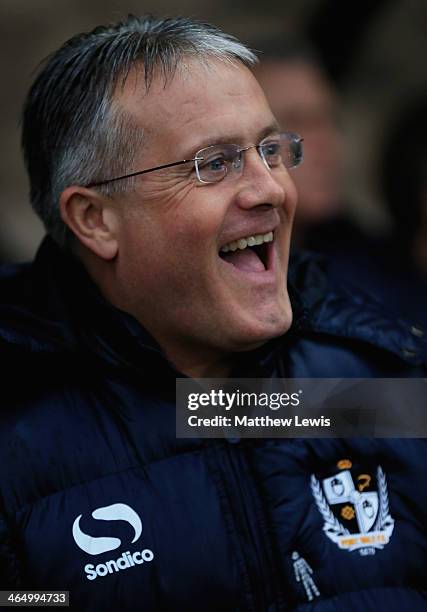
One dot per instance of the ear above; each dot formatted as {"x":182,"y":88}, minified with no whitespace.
{"x":92,"y":218}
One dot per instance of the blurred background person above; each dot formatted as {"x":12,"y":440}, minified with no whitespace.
{"x":303,"y":99}
{"x":390,"y":264}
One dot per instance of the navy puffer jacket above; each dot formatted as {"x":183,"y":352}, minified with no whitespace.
{"x":99,"y":497}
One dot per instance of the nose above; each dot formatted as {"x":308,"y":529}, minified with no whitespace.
{"x":261,"y":186}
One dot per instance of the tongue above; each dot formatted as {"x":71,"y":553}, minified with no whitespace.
{"x":246,"y":260}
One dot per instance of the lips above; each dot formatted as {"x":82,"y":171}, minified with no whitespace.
{"x":250,"y":254}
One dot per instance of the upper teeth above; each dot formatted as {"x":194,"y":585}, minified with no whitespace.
{"x":249,"y":241}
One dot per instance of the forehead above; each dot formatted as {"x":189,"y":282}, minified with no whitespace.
{"x":202,"y":104}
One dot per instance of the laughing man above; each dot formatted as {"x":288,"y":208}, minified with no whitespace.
{"x":165,"y":187}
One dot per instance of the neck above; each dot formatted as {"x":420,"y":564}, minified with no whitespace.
{"x":196,"y":361}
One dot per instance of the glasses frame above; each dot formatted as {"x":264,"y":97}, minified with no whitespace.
{"x":292,"y":136}
{"x":197,"y":158}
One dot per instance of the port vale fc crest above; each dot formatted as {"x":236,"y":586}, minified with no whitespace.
{"x":354,"y":508}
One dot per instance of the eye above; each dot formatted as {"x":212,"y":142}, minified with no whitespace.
{"x":216,"y":161}
{"x":272,"y":152}
{"x":213,"y":163}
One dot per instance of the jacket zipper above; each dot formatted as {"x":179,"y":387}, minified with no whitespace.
{"x":239,"y":503}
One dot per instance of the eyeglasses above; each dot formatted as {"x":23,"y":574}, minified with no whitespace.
{"x":212,"y":164}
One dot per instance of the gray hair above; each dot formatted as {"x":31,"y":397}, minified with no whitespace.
{"x":74,"y":133}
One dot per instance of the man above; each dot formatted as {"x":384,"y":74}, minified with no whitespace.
{"x":162,"y":179}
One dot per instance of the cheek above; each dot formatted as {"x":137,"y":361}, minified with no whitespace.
{"x":169,"y":238}
{"x":175,"y":211}
{"x":191,"y":236}
{"x":142,"y":248}
{"x":290,"y":184}
{"x":169,"y":255}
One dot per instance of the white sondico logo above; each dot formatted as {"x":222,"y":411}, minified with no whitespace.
{"x":98,"y":545}
{"x":115,"y":512}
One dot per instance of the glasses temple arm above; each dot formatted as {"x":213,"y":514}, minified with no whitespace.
{"x":124,"y":176}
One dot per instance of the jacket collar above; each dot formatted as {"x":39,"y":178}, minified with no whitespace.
{"x":54,"y":306}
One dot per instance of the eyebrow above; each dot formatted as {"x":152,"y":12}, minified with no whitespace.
{"x":234,"y":139}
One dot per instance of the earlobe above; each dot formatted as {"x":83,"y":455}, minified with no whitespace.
{"x":91,"y":218}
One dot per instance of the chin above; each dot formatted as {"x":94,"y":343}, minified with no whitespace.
{"x":271,"y":325}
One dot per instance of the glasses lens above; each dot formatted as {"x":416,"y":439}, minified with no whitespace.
{"x":283,"y":149}
{"x":213,"y":163}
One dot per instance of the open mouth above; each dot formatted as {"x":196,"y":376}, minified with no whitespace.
{"x":249,"y":254}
